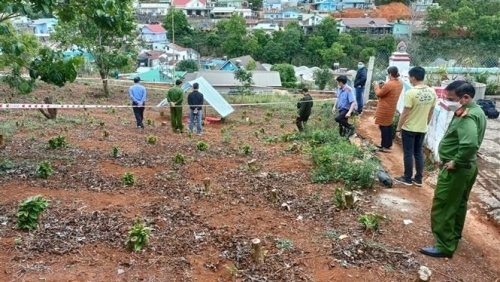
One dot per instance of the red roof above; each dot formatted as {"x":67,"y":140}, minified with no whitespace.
{"x":155,"y":28}
{"x":185,"y":2}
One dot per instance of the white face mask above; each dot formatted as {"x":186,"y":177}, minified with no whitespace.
{"x":452,"y":105}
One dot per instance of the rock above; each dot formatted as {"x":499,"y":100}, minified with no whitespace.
{"x":407,"y":221}
{"x":342,"y":237}
{"x":120,"y":271}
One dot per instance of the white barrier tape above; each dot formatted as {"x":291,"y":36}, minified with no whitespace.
{"x":73,"y":106}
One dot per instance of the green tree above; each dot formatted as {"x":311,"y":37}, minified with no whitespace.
{"x":323,"y":77}
{"x":273,"y":53}
{"x":251,"y":65}
{"x":287,"y":74}
{"x":245,"y":77}
{"x":22,"y":52}
{"x":328,"y":29}
{"x":366,"y":53}
{"x":111,"y":45}
{"x":333,"y":54}
{"x":181,"y":28}
{"x":487,"y":29}
{"x":232,"y":30}
{"x":189,"y":65}
{"x":313,"y":48}
{"x":291,"y":39}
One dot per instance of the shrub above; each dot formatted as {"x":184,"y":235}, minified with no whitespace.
{"x":115,"y":151}
{"x":44,"y":169}
{"x":128,"y":179}
{"x":202,"y":146}
{"x":58,"y":142}
{"x":152,"y":139}
{"x":138,"y":236}
{"x":246,"y":149}
{"x":371,"y":221}
{"x":29,"y":211}
{"x":178,"y":158}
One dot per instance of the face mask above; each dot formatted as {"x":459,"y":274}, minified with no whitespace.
{"x":360,"y":67}
{"x":452,"y":105}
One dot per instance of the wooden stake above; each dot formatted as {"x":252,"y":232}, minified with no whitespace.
{"x":424,"y":274}
{"x":274,"y":195}
{"x":1,"y":140}
{"x":206,"y":184}
{"x":257,"y":254}
{"x":349,"y":200}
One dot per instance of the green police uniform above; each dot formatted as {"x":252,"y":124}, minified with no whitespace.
{"x":175,"y":95}
{"x":460,"y":145}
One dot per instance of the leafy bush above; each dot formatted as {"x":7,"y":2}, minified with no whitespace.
{"x":44,"y":169}
{"x":128,"y":179}
{"x":202,"y":146}
{"x":371,"y":221}
{"x":178,"y":159}
{"x":152,"y":139}
{"x":138,"y":237}
{"x":29,"y":211}
{"x":246,"y":149}
{"x":58,"y":142}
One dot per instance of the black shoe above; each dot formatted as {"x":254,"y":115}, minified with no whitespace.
{"x":402,"y":180}
{"x":434,"y":252}
{"x":384,"y":150}
{"x":350,"y":132}
{"x":417,"y":182}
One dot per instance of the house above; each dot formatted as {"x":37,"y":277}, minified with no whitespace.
{"x":326,"y":5}
{"x":272,"y":5}
{"x":308,"y":21}
{"x":43,"y":26}
{"x":290,"y":14}
{"x":75,"y":52}
{"x":371,"y":26}
{"x":273,"y":14}
{"x":192,"y":7}
{"x":152,"y":7}
{"x":228,"y":3}
{"x":269,"y":28}
{"x":180,"y":53}
{"x":422,"y":5}
{"x":154,"y":33}
{"x":158,"y":75}
{"x":224,"y":81}
{"x":359,"y":4}
{"x":150,"y":58}
{"x":401,"y":29}
{"x":235,"y":63}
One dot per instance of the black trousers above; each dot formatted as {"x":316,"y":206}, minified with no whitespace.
{"x":343,"y":122}
{"x":139,"y":114}
{"x":386,"y":136}
{"x":301,"y":122}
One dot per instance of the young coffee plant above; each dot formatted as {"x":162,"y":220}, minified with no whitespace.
{"x":178,"y":159}
{"x":44,"y":169}
{"x":339,"y":198}
{"x":150,"y":122}
{"x":128,"y":179}
{"x":202,"y":146}
{"x":152,"y":139}
{"x":371,"y":221}
{"x":115,"y":151}
{"x":246,"y":149}
{"x":58,"y":142}
{"x":138,"y":236}
{"x":29,"y":211}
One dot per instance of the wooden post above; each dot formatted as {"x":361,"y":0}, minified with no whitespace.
{"x":424,"y":274}
{"x":206,"y":184}
{"x":349,"y":200}
{"x":257,"y":254}
{"x":369,"y":75}
{"x":274,"y":195}
{"x":1,"y":140}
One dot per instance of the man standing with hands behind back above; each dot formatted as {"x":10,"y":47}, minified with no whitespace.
{"x":195,"y":101}
{"x":138,"y":95}
{"x":457,"y":152}
{"x":174,"y":97}
{"x":359,"y":86}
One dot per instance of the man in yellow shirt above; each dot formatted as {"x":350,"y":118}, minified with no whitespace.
{"x":419,"y":106}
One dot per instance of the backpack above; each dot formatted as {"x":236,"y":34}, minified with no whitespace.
{"x":489,"y":108}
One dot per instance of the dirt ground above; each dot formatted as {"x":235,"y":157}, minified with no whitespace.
{"x":199,"y":235}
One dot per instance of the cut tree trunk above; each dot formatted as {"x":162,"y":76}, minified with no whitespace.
{"x":274,"y":195}
{"x":51,"y":113}
{"x":257,"y":253}
{"x":349,"y":200}
{"x":206,"y":184}
{"x":252,"y":165}
{"x":1,"y":140}
{"x":105,"y":86}
{"x":424,"y":274}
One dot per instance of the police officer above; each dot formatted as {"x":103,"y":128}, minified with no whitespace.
{"x":457,"y":152}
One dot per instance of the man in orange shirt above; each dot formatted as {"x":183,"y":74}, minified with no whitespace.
{"x":388,"y":95}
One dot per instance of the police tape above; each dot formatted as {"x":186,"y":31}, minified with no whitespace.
{"x":162,"y":104}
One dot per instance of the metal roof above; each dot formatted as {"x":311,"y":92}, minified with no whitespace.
{"x":211,"y":95}
{"x":226,"y":78}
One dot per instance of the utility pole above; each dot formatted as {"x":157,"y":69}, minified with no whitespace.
{"x":173,"y":50}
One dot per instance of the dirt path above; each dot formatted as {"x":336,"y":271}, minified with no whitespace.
{"x":481,"y":243}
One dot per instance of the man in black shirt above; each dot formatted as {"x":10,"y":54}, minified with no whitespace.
{"x":304,"y":105}
{"x":195,"y":101}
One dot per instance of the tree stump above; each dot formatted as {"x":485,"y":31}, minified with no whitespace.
{"x":252,"y":165}
{"x":51,"y":113}
{"x":349,"y":200}
{"x":424,"y":274}
{"x":206,"y":184}
{"x":1,"y":140}
{"x":257,"y":253}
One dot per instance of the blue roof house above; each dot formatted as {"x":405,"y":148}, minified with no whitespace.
{"x":43,"y":26}
{"x":400,"y":29}
{"x":273,"y":14}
